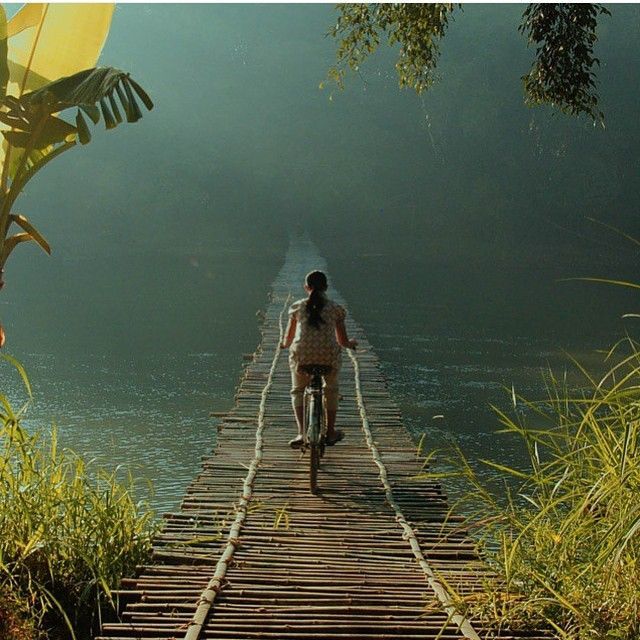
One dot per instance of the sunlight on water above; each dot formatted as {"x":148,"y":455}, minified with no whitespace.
{"x":150,"y":411}
{"x":150,"y":416}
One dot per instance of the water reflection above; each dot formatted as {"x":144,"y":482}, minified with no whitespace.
{"x":151,"y":415}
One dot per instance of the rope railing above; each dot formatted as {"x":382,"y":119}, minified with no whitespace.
{"x":408,"y":533}
{"x":208,"y":596}
{"x":345,"y":564}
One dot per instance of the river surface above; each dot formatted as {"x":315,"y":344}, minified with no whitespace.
{"x":149,"y":411}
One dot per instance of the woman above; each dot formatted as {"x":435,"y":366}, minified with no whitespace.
{"x":316,"y":333}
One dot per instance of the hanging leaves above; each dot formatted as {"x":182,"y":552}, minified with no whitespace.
{"x":94,"y":92}
{"x":417,"y":28}
{"x":564,"y":35}
{"x":562,"y":73}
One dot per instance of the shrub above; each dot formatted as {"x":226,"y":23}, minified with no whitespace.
{"x":68,"y":532}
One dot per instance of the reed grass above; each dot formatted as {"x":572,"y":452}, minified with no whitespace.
{"x":562,"y":537}
{"x":68,"y":532}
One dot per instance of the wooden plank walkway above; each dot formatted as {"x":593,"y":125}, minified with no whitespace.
{"x":252,"y":554}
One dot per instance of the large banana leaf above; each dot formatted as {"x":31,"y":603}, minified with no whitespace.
{"x":37,"y":133}
{"x":47,"y":57}
{"x":105,"y":92}
{"x":49,"y":41}
{"x":88,"y":87}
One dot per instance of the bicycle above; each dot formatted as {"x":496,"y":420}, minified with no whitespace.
{"x":315,"y":423}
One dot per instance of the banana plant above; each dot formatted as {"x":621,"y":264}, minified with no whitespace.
{"x":38,"y":134}
{"x":42,"y":118}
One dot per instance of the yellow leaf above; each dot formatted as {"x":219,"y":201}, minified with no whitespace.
{"x":50,"y":41}
{"x":26,"y":17}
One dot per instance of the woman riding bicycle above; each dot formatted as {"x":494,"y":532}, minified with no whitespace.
{"x":316,"y":333}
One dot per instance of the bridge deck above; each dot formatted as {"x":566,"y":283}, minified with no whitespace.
{"x":252,"y":554}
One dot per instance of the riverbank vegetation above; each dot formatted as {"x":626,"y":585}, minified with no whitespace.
{"x":562,"y":534}
{"x":68,"y":533}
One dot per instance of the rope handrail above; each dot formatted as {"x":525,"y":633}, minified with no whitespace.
{"x":409,"y":534}
{"x":208,"y":596}
{"x":333,"y":566}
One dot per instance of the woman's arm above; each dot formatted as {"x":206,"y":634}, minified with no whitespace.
{"x":290,"y":333}
{"x":342,"y":338}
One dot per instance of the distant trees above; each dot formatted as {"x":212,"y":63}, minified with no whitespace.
{"x":562,"y":74}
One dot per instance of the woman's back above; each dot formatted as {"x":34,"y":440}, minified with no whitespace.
{"x":315,"y":342}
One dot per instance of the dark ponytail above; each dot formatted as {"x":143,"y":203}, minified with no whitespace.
{"x":317,"y":282}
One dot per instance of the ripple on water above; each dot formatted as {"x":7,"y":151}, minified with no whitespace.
{"x":152,"y":415}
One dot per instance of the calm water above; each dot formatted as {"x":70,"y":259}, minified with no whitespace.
{"x":448,"y":223}
{"x":149,"y":411}
{"x":150,"y":415}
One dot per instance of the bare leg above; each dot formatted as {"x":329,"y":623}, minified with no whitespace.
{"x":298,"y":383}
{"x":299,"y":411}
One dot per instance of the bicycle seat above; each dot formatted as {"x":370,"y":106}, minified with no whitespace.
{"x":315,"y":369}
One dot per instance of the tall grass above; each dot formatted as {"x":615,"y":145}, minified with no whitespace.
{"x":563,"y":535}
{"x":68,"y":532}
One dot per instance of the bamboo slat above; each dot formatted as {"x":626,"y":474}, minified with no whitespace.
{"x":252,"y":554}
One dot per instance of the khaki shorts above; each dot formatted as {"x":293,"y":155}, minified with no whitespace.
{"x":300,"y":380}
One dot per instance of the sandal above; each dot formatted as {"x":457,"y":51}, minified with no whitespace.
{"x":337,"y":436}
{"x":296,"y":443}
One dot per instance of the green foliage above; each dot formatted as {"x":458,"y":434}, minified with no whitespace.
{"x":562,"y":74}
{"x":68,"y":532}
{"x":38,"y":134}
{"x":564,"y":541}
{"x":417,"y":28}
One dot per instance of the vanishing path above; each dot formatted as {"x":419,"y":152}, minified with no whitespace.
{"x":252,"y":554}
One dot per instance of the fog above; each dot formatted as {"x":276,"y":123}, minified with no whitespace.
{"x":166,"y":233}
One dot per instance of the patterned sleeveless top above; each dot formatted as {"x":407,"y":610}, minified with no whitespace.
{"x":313,"y":345}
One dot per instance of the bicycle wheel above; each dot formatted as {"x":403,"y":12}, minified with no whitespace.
{"x":314,"y":414}
{"x":314,"y":463}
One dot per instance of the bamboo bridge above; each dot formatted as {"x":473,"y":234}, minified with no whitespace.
{"x":253,"y":554}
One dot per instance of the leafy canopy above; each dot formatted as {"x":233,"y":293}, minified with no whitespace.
{"x":564,"y":36}
{"x":562,"y":73}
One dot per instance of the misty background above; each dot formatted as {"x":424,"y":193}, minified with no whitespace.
{"x":449,"y":222}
